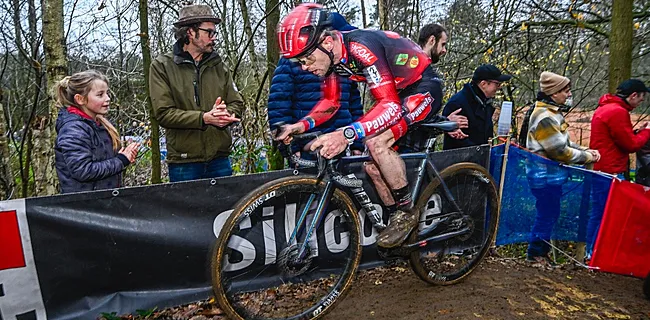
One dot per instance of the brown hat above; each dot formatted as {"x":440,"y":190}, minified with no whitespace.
{"x":551,"y":83}
{"x":195,"y":13}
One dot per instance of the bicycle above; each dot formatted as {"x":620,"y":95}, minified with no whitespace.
{"x":299,"y":279}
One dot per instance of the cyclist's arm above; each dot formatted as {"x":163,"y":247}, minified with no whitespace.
{"x":326,"y":107}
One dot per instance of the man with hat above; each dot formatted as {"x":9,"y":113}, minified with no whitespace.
{"x":194,"y":98}
{"x":613,"y":136}
{"x":475,"y":102}
{"x":548,"y":136}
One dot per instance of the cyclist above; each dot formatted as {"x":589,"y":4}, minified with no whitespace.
{"x":398,"y":75}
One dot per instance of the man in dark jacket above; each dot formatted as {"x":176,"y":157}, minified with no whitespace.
{"x":294,"y":92}
{"x":194,"y":98}
{"x":475,"y":102}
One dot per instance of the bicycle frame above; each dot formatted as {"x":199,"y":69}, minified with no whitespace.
{"x":425,"y":166}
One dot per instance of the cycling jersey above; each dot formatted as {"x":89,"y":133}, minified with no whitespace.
{"x":387,"y":63}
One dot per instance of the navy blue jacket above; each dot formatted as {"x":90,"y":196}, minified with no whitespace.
{"x":84,"y":156}
{"x":478,"y":111}
{"x":294,"y":92}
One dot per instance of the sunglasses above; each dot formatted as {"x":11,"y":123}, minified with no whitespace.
{"x":210,"y":32}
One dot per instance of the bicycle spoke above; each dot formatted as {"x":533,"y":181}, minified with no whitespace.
{"x":455,"y":257}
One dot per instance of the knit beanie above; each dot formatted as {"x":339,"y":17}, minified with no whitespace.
{"x":551,"y":83}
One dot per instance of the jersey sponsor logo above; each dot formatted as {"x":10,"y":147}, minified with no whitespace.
{"x":414,"y":62}
{"x":374,"y":76}
{"x":362,"y":53}
{"x":384,"y":119}
{"x":401,"y":59}
{"x":421,"y":110}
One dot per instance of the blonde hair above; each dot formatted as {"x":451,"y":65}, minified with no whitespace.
{"x":81,"y":83}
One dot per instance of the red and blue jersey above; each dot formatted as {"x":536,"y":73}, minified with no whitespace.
{"x":388,"y":63}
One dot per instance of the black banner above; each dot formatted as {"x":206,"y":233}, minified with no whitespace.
{"x":145,"y":247}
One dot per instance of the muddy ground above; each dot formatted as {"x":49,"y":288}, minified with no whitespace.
{"x":500,"y":288}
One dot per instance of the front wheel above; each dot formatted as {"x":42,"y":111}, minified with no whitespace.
{"x":258,"y":274}
{"x":646,"y":286}
{"x":450,"y":260}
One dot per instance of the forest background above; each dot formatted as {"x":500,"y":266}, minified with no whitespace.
{"x":596,"y":44}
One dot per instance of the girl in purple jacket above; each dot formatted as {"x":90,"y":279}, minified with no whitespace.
{"x":88,"y":153}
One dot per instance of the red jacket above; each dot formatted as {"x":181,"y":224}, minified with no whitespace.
{"x":612,"y":134}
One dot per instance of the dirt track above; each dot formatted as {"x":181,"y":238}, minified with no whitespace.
{"x":499,"y":289}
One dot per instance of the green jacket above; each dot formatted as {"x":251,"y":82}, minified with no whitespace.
{"x":180,"y":93}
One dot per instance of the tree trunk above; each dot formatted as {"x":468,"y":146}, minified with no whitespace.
{"x":146,"y":63}
{"x":384,"y":23}
{"x":56,"y":68}
{"x":620,"y":43}
{"x":224,"y":28}
{"x":364,"y":23}
{"x":276,"y":162}
{"x":249,"y":33}
{"x":6,"y":178}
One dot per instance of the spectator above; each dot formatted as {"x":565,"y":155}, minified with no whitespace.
{"x":87,"y":144}
{"x":294,"y":92}
{"x":433,"y":41}
{"x":548,"y":136}
{"x":195,"y":99}
{"x":612,"y":135}
{"x":475,"y":103}
{"x":611,"y":128}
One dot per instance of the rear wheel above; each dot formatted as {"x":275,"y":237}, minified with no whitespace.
{"x":449,"y":261}
{"x":646,"y":287}
{"x":257,"y":274}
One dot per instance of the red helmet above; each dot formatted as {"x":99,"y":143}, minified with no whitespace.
{"x":300,"y":30}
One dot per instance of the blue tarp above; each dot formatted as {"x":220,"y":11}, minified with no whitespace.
{"x":518,"y":211}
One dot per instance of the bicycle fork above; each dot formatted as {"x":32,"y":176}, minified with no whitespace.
{"x":315,"y":221}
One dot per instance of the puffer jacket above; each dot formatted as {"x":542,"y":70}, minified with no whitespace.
{"x":612,"y":134}
{"x":294,"y":92}
{"x":180,"y":93}
{"x":85,"y":159}
{"x":548,"y":136}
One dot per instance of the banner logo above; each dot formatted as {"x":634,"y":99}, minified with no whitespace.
{"x":20,"y":292}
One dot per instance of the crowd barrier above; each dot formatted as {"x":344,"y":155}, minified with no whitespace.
{"x":611,"y":216}
{"x":518,"y":211}
{"x":75,"y":256}
{"x":623,"y":243}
